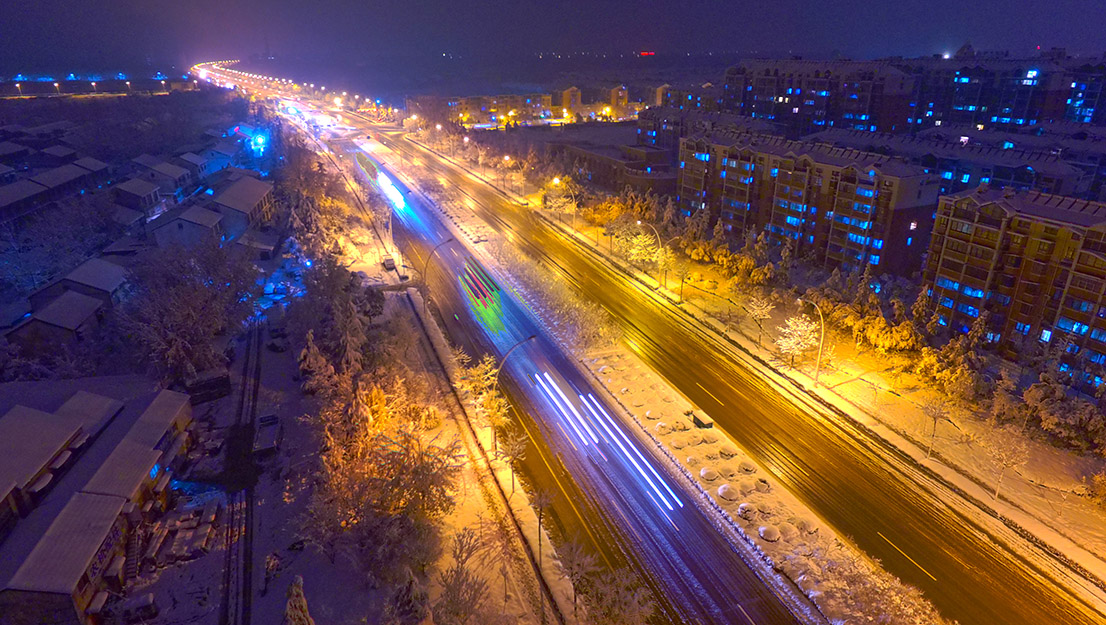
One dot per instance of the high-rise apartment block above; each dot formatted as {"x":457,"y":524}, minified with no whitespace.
{"x":1035,"y":261}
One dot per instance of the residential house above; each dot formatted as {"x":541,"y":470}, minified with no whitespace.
{"x":18,"y":198}
{"x":66,"y":320}
{"x":62,"y":181}
{"x":171,"y":179}
{"x":196,"y":164}
{"x":33,"y":446}
{"x":244,"y":203}
{"x":187,"y":226}
{"x":140,"y":195}
{"x":95,"y":277}
{"x":99,"y":171}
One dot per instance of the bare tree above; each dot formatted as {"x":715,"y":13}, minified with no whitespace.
{"x":618,"y":599}
{"x":463,"y":593}
{"x":760,"y":310}
{"x":936,"y":409}
{"x":683,"y":272}
{"x":798,"y":335}
{"x":1009,"y":453}
{"x":577,"y":566}
{"x":513,"y":450}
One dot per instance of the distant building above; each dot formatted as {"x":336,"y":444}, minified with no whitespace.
{"x":663,"y":127}
{"x":61,"y":181}
{"x":95,"y":277}
{"x":495,"y":109}
{"x":19,"y":198}
{"x":196,"y":164}
{"x":187,"y":227}
{"x":67,"y":319}
{"x":140,"y":195}
{"x":659,"y":94}
{"x":171,"y":179}
{"x":846,"y":208}
{"x":619,"y":97}
{"x":571,"y":100}
{"x":244,"y":203}
{"x":1036,"y":262}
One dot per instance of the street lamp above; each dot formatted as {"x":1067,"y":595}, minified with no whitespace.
{"x":505,"y":356}
{"x":163,"y":86}
{"x":93,"y":86}
{"x":821,"y":336}
{"x":19,"y":86}
{"x":57,"y":88}
{"x":128,"y":86}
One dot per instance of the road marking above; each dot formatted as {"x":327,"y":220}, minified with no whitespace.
{"x":749,"y":618}
{"x":710,"y":393}
{"x":906,"y":556}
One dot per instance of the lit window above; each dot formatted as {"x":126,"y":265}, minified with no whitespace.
{"x":913,"y":225}
{"x":1046,"y":336}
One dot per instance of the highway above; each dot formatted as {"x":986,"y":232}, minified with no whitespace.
{"x":852,"y":482}
{"x":701,"y":578}
{"x":859,"y":486}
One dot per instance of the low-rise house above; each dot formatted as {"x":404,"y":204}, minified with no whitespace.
{"x":11,"y":152}
{"x":65,"y":320}
{"x":140,"y":195}
{"x":62,"y":580}
{"x":171,"y":179}
{"x":95,"y":277}
{"x":244,"y":203}
{"x":57,"y":155}
{"x":196,"y":164}
{"x":63,"y":180}
{"x":99,"y":172}
{"x":7,"y":174}
{"x":220,"y":155}
{"x":33,"y":446}
{"x":18,"y":198}
{"x":187,"y":227}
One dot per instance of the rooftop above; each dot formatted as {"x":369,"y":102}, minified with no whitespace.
{"x":29,"y":439}
{"x":59,"y":151}
{"x":137,"y":186}
{"x":59,"y":176}
{"x":124,"y":470}
{"x":166,"y":408}
{"x":8,"y":148}
{"x":91,"y":410}
{"x":201,"y":216}
{"x":195,"y":159}
{"x":63,"y":554}
{"x":69,"y":310}
{"x":99,"y":274}
{"x":244,"y":194}
{"x":1056,"y":208}
{"x":90,"y":164}
{"x":19,"y":191}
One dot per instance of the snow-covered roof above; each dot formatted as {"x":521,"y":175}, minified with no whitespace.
{"x":29,"y":440}
{"x":8,"y":148}
{"x":123,"y":472}
{"x":69,"y":310}
{"x":244,"y":194}
{"x":146,"y":160}
{"x":90,"y":164}
{"x":65,"y":551}
{"x":124,"y":216}
{"x":19,"y":191}
{"x":167,"y":408}
{"x":99,"y":274}
{"x":195,"y":159}
{"x":60,"y":175}
{"x":137,"y":186}
{"x":92,"y":411}
{"x":59,"y":151}
{"x":169,"y":169}
{"x":201,"y":216}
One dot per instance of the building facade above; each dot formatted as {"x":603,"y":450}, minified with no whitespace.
{"x":1036,"y":262}
{"x":844,"y":208}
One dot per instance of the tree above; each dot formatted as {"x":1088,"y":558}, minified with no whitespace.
{"x":683,"y":272}
{"x":463,"y":593}
{"x":577,"y":566}
{"x":1006,"y":404}
{"x":665,"y":259}
{"x":408,"y":604}
{"x":760,"y":310}
{"x":1009,"y":453}
{"x":513,"y":450}
{"x":295,"y":610}
{"x":798,"y":335}
{"x":617,"y":599}
{"x":642,"y":248}
{"x":316,"y":370}
{"x":936,"y":409}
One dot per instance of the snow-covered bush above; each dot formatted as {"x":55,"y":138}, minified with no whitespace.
{"x":728,"y":492}
{"x":763,"y":485}
{"x":727,"y":470}
{"x":662,"y":428}
{"x":788,"y":531}
{"x":728,"y":451}
{"x":769,"y":533}
{"x":708,"y":474}
{"x":747,"y":511}
{"x":692,"y":461}
{"x":746,"y":487}
{"x":747,"y":467}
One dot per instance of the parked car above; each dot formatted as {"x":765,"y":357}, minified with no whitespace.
{"x":389,"y":263}
{"x":269,"y":434}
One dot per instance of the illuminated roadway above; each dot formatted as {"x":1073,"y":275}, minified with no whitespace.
{"x":846,"y":478}
{"x":839,"y":472}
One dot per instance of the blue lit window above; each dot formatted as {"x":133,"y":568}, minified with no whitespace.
{"x":947,"y":175}
{"x":723,"y":174}
{"x":1099,"y":335}
{"x":945,"y":301}
{"x":964,"y":179}
{"x":971,"y":311}
{"x":942,"y":320}
{"x":985,"y":179}
{"x":909,"y":240}
{"x":945,"y":283}
{"x":1024,"y":328}
{"x":1072,"y":326}
{"x":1006,"y":145}
{"x":874,"y":260}
{"x":877,"y":243}
{"x":1046,"y":335}
{"x":775,"y":172}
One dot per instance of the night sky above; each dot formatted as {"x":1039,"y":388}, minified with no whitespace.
{"x":100,"y":34}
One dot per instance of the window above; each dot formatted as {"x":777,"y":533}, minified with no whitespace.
{"x":971,"y":311}
{"x":1046,"y":336}
{"x":946,"y":302}
{"x":1099,"y":335}
{"x":913,"y":225}
{"x":1022,"y":327}
{"x":969,"y":291}
{"x":1072,"y":326}
{"x":909,"y":240}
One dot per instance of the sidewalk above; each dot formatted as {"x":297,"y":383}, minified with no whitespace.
{"x":1073,"y":531}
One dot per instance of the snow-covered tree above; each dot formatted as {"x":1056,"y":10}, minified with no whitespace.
{"x":936,"y":409}
{"x":641,"y":248}
{"x":295,"y":610}
{"x":513,"y":450}
{"x":760,"y":310}
{"x":797,"y":336}
{"x":577,"y":566}
{"x":616,"y":598}
{"x":463,"y":592}
{"x":1008,"y":453}
{"x":409,"y":603}
{"x":315,"y":369}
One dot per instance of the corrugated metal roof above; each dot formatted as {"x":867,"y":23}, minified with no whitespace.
{"x":29,"y":439}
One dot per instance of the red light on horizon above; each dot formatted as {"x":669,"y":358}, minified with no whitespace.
{"x":646,"y":53}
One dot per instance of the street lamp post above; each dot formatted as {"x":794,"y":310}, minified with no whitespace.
{"x":57,"y":87}
{"x":128,"y":86}
{"x":425,"y":266}
{"x":19,"y":86}
{"x":821,"y":336}
{"x":94,"y":86}
{"x":505,"y":356}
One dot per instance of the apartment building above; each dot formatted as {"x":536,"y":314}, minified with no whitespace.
{"x":664,"y":126}
{"x":1035,"y":261}
{"x":845,"y":208}
{"x":496,"y":109}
